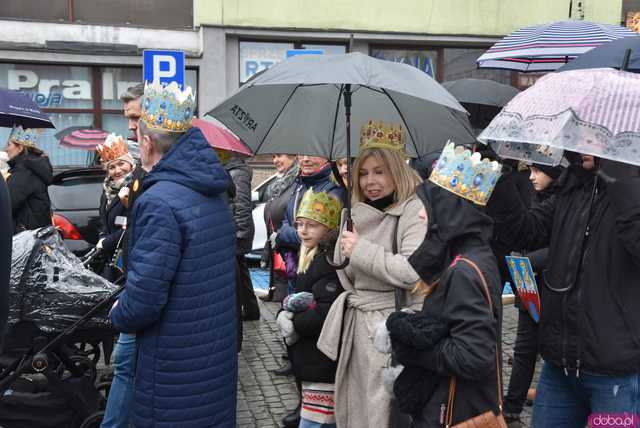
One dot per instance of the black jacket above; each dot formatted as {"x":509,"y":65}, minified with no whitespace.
{"x":108,"y":228}
{"x":135,"y":190}
{"x":30,"y":177}
{"x":241,"y":205}
{"x":309,"y":364}
{"x":5,"y":255}
{"x":595,"y":325}
{"x":468,"y":352}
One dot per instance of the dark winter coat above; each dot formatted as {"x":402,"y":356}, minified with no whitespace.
{"x":30,"y":178}
{"x":321,"y":182}
{"x":468,"y":352}
{"x":5,"y":255}
{"x":595,"y":325}
{"x":180,"y":293}
{"x":108,"y":228}
{"x":309,"y":364}
{"x":135,"y":190}
{"x":241,"y":205}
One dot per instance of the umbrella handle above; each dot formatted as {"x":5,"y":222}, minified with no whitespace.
{"x":345,"y":262}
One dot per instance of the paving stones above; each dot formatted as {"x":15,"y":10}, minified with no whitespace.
{"x":264,"y":398}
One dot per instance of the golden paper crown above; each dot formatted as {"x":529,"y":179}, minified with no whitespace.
{"x":381,"y":136}
{"x":321,"y":207}
{"x":114,"y":147}
{"x":24,"y":136}
{"x":167,"y":107}
{"x":465,"y":174}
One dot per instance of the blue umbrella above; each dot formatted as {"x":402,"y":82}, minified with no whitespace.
{"x":18,"y":109}
{"x":612,"y":54}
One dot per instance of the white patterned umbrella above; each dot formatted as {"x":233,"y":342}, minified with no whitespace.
{"x":592,"y":111}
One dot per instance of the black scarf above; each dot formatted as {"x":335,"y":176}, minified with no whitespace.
{"x":382,"y":203}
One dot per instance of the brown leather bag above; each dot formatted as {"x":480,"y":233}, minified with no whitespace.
{"x":487,"y":419}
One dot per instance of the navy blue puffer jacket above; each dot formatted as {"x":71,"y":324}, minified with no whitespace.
{"x":180,"y":292}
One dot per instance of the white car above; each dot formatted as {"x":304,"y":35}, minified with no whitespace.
{"x":260,"y":236}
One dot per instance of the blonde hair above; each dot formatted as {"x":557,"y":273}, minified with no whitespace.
{"x":405,"y":179}
{"x":424,"y":288}
{"x":305,"y":258}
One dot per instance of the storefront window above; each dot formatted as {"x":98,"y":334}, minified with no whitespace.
{"x":460,"y":63}
{"x":423,"y":59}
{"x":66,"y":93}
{"x":258,"y":56}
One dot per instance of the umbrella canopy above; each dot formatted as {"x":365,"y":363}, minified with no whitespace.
{"x":17,"y":108}
{"x":611,"y":54}
{"x":220,"y":138}
{"x":482,"y":98}
{"x":83,"y":138}
{"x":594,"y":111}
{"x":297,"y":106}
{"x":548,"y":47}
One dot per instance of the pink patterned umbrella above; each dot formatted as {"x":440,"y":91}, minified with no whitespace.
{"x":220,"y":138}
{"x":594,"y":111}
{"x":85,"y":139}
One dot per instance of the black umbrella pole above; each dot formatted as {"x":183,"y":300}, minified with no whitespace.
{"x":347,"y":114}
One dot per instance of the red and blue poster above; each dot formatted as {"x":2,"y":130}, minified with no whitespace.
{"x":525,"y":282}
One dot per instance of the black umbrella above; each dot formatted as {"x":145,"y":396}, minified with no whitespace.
{"x":17,"y":108}
{"x":482,"y":98}
{"x":621,"y":54}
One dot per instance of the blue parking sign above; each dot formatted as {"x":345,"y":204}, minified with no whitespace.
{"x":164,"y":66}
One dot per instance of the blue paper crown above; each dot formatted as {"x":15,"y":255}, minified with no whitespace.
{"x":466,"y":174}
{"x":26,"y":137}
{"x":167,"y":107}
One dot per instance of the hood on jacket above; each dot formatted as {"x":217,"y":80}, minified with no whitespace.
{"x":236,"y":163}
{"x":37,"y":164}
{"x":191,"y":162}
{"x":455,"y":224}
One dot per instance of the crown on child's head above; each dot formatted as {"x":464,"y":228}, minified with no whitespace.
{"x":381,"y":136}
{"x":167,"y":107}
{"x":321,"y":207}
{"x":465,"y":174}
{"x":26,"y":137}
{"x":113,"y":148}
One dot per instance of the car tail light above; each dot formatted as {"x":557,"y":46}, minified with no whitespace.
{"x":68,"y":230}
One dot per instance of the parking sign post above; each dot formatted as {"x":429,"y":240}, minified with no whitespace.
{"x":164,"y":66}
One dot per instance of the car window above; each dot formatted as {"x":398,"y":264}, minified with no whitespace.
{"x":82,"y":193}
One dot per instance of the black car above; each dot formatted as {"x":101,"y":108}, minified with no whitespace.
{"x":75,"y":201}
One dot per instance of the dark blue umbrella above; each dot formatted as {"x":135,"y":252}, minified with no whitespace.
{"x":18,"y":109}
{"x":611,"y":54}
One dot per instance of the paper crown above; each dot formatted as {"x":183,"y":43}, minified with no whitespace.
{"x":167,"y":107}
{"x":466,"y":174}
{"x":114,"y":147}
{"x":321,"y":207}
{"x":26,"y":137}
{"x":381,"y":136}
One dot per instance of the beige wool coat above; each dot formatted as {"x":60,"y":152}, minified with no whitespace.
{"x":361,"y":401}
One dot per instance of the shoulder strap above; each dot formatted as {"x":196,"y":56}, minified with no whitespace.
{"x":452,"y":382}
{"x":399,"y":293}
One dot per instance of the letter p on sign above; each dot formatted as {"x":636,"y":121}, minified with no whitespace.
{"x":164,"y":66}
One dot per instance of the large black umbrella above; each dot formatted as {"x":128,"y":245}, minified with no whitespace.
{"x":18,"y":109}
{"x":482,"y":98}
{"x":621,"y":54}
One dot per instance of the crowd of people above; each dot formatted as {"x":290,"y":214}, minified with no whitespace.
{"x":391,"y":320}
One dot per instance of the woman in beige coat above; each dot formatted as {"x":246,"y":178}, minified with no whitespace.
{"x":385,"y":209}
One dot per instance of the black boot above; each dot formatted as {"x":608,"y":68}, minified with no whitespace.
{"x":285,"y":370}
{"x":292,"y":419}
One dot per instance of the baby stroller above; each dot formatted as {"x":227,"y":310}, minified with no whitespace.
{"x":56,"y":308}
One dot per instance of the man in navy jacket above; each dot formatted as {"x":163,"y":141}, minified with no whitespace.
{"x":179,"y":299}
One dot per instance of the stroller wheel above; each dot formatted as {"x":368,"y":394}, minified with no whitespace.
{"x":90,"y":350}
{"x":93,"y":421}
{"x":83,"y":363}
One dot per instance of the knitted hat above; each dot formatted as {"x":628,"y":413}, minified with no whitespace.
{"x":552,"y":171}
